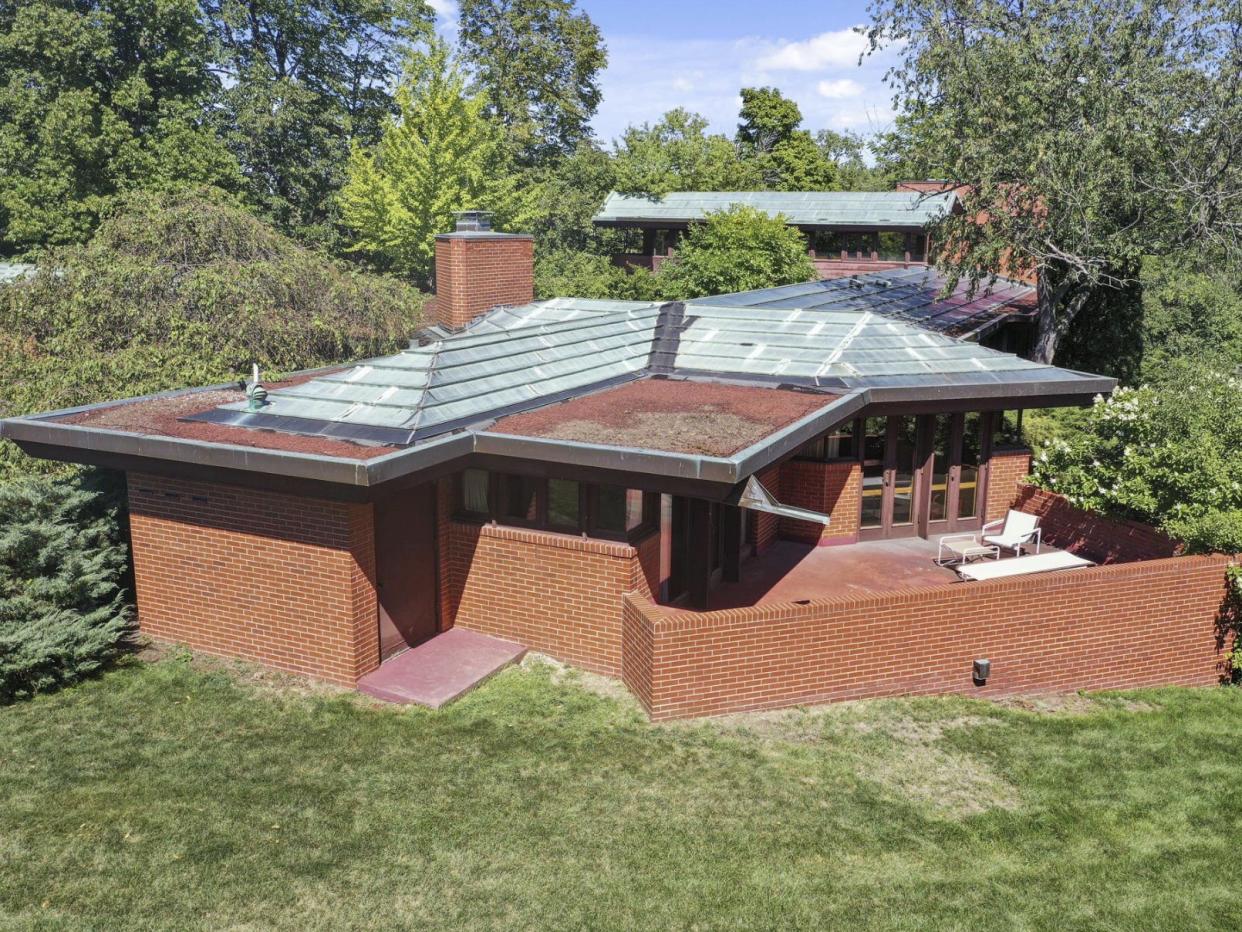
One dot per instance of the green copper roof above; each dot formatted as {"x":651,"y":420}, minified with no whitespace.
{"x":873,"y":210}
{"x":835,"y":336}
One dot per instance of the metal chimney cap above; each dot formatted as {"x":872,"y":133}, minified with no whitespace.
{"x":473,"y":221}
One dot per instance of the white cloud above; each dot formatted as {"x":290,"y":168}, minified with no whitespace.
{"x":639,"y":85}
{"x":839,"y":89}
{"x":838,"y":49}
{"x":444,"y":9}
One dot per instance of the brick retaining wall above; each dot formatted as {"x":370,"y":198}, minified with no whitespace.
{"x":1104,"y":540}
{"x":281,"y":580}
{"x":554,"y":593}
{"x":1107,"y":627}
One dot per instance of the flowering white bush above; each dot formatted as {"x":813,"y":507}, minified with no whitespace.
{"x":1167,"y":453}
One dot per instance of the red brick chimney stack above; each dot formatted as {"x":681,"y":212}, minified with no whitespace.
{"x":478,"y":268}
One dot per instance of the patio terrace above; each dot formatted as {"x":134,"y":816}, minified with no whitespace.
{"x":789,"y":571}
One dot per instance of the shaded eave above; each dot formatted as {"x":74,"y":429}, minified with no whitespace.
{"x":48,"y":436}
{"x":662,"y":223}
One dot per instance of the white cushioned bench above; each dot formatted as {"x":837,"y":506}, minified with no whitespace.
{"x":1021,"y":566}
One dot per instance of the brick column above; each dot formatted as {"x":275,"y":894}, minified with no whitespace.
{"x":1007,"y":472}
{"x":834,"y":489}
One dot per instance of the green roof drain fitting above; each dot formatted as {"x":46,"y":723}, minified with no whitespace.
{"x":256,"y":394}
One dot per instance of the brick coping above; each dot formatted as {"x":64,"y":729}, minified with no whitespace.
{"x":559,"y":541}
{"x":680,"y":620}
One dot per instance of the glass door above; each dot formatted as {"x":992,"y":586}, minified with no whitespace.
{"x":890,"y":500}
{"x":954,"y":470}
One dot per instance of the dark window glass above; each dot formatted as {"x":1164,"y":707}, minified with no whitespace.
{"x":610,"y":508}
{"x":835,"y":445}
{"x":873,"y":439}
{"x":940,"y":468}
{"x":872,"y":495}
{"x":1007,"y":432}
{"x":903,"y":474}
{"x":474,"y":491}
{"x":892,"y":246}
{"x":563,"y":503}
{"x":968,"y":485}
{"x":617,"y":509}
{"x":519,"y":498}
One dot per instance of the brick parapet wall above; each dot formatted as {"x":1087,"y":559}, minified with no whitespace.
{"x":832,"y":488}
{"x":1007,"y":472}
{"x":554,"y":593}
{"x":1104,"y":540}
{"x":282,"y":580}
{"x":1108,"y":627}
{"x":476,"y":273}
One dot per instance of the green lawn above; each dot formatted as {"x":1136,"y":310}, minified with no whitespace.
{"x":176,"y":795}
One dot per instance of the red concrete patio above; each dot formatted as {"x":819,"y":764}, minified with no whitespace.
{"x":790,"y":571}
{"x":442,"y":669}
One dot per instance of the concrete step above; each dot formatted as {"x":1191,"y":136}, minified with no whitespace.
{"x":442,"y":669}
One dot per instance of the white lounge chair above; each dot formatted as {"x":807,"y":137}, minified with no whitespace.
{"x":1021,"y":566}
{"x":1017,"y":530}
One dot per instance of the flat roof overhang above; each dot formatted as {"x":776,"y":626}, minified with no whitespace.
{"x":660,"y":223}
{"x":712,"y":477}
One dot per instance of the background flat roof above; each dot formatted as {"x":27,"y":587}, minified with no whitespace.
{"x":869,"y":209}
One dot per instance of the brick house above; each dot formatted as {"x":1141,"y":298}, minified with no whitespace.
{"x":727,"y":502}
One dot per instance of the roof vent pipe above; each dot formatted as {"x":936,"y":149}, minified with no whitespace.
{"x":473,"y":221}
{"x":256,"y":394}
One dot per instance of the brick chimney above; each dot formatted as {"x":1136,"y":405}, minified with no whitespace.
{"x":478,"y":268}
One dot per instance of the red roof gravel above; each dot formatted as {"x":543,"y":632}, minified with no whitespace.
{"x":160,"y":417}
{"x":677,"y":416}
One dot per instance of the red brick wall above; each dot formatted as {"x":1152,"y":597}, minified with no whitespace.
{"x":1104,"y":540}
{"x":277,"y":579}
{"x":553,"y":593}
{"x":762,"y":528}
{"x":834,"y":489}
{"x":1123,"y":626}
{"x":474,"y":273}
{"x":1007,"y":470}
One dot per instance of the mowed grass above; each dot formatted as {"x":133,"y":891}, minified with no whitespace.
{"x":172,"y":795}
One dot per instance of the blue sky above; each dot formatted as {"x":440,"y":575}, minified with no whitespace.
{"x":698,"y":54}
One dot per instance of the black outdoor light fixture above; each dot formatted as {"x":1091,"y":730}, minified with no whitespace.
{"x":981,"y":671}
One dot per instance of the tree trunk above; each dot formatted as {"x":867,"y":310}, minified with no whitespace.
{"x":1047,"y":332}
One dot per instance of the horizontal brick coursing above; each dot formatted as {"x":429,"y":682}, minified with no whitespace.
{"x":281,"y":580}
{"x":1123,"y":626}
{"x":763,"y":528}
{"x":1105,"y":540}
{"x":833,"y":488}
{"x":474,"y":275}
{"x":553,"y":593}
{"x":1007,"y":472}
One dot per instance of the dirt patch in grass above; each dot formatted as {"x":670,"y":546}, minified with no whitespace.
{"x":261,"y":680}
{"x":891,"y":744}
{"x":606,"y":687}
{"x":1072,"y":704}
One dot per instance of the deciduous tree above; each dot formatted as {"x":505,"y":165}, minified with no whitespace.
{"x":736,"y":250}
{"x":539,"y":62}
{"x":678,"y":154}
{"x":1087,"y":134}
{"x":303,"y":79}
{"x":99,"y":97}
{"x":787,"y":157}
{"x":441,"y":154}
